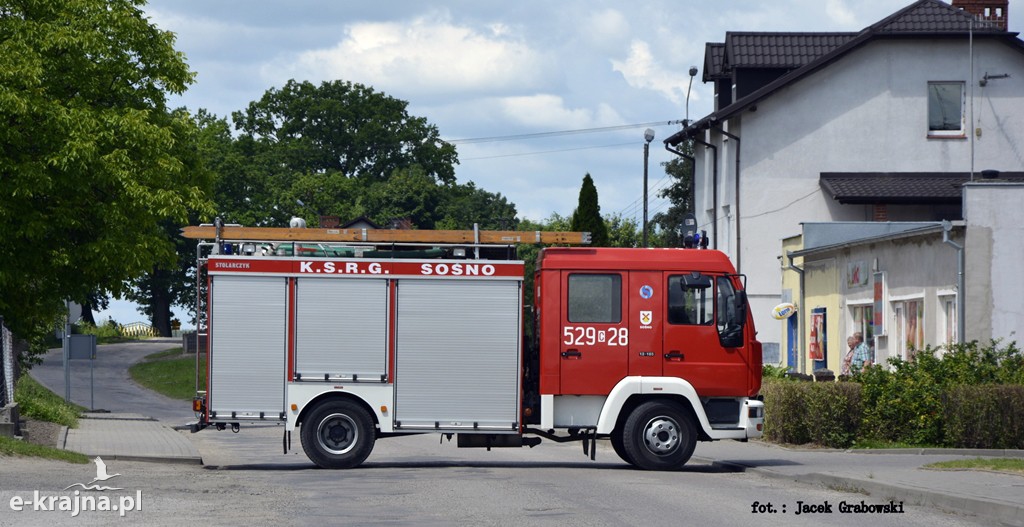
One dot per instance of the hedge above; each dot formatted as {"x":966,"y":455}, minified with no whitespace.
{"x":968,"y":397}
{"x":823,"y":413}
{"x":985,"y":416}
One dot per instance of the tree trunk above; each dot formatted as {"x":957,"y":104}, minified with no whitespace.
{"x":87,"y":313}
{"x":160,"y":305}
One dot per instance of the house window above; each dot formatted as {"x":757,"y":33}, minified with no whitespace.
{"x":946,"y":109}
{"x":908,"y":327}
{"x":864,"y":322}
{"x":949,"y":320}
{"x":595,"y":298}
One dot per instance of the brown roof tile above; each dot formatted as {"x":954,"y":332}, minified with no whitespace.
{"x":780,"y":50}
{"x":901,"y":187}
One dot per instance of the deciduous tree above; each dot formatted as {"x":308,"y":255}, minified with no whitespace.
{"x":680,"y":194}
{"x":92,"y":161}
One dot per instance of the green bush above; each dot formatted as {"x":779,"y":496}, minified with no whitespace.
{"x":826,"y":413}
{"x":970,"y":396}
{"x":911,"y":402}
{"x":785,"y":406}
{"x":769,"y":371}
{"x":106,"y":329}
{"x":833,"y":413}
{"x":903,"y":405}
{"x":990,"y":416}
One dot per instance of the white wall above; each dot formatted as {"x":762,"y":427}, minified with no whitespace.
{"x":995,"y":261}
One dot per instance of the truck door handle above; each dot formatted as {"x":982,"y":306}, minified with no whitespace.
{"x":674,"y":355}
{"x":571,"y":353}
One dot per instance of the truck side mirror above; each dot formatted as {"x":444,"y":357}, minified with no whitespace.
{"x":733,"y":314}
{"x":695,"y":280}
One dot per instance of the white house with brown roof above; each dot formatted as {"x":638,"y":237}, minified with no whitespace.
{"x":881,"y":125}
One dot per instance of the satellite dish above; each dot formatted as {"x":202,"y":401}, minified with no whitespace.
{"x":297,"y":223}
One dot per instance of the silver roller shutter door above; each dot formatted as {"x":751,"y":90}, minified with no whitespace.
{"x":247,"y":342}
{"x":341,"y":328}
{"x":457,"y":358}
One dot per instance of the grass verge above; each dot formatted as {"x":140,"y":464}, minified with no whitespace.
{"x":1007,"y":465}
{"x":168,"y":372}
{"x":13,"y":447}
{"x":36,"y":402}
{"x":875,"y":444}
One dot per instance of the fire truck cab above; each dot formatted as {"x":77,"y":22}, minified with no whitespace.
{"x":358,"y":337}
{"x":651,"y":348}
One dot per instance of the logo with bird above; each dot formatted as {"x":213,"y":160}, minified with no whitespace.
{"x":101,"y":476}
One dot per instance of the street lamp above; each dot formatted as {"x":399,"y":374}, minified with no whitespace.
{"x":648,"y":137}
{"x":693,"y":73}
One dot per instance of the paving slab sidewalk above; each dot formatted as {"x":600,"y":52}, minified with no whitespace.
{"x":132,"y":437}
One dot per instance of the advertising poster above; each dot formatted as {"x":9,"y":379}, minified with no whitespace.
{"x":817,"y":340}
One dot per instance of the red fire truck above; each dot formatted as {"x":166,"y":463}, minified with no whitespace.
{"x":355,"y":335}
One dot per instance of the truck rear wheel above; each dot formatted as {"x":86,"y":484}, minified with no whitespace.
{"x":659,"y":436}
{"x":338,"y":434}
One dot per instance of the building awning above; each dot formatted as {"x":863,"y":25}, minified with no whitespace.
{"x":852,"y":188}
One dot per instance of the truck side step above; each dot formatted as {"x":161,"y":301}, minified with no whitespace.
{"x":496,"y":441}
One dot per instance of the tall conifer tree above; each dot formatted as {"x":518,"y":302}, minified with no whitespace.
{"x":587,"y":216}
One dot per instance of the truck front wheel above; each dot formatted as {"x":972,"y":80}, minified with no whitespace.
{"x":618,"y":447}
{"x":659,"y":435}
{"x":338,"y":434}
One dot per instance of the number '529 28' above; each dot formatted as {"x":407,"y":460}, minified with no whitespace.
{"x":589,"y":336}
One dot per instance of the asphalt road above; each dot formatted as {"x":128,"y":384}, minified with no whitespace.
{"x":106,"y":384}
{"x":415,"y":481}
{"x":247,"y":480}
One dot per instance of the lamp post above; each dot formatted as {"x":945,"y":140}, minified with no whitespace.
{"x":648,"y":137}
{"x":693,"y":73}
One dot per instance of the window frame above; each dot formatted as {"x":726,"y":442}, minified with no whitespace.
{"x":615,"y":298}
{"x":904,"y":332}
{"x":960,"y":132}
{"x":948,"y":310}
{"x":701,"y":305}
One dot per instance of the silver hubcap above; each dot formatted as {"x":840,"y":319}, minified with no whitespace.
{"x":661,"y":435}
{"x":337,"y":434}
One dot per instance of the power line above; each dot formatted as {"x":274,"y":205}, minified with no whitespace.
{"x":636,"y":203}
{"x":539,"y":152}
{"x":538,"y":135}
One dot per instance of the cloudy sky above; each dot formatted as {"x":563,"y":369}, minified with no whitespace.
{"x":497,"y":78}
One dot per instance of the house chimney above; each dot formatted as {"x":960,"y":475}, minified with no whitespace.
{"x":991,"y":10}
{"x":879,"y":212}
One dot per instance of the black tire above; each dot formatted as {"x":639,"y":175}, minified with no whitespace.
{"x":618,"y":447}
{"x":659,"y":435}
{"x":338,"y":434}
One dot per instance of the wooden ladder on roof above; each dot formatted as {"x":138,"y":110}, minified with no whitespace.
{"x":478,"y":237}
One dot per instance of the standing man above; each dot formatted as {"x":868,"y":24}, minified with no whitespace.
{"x":861,"y":353}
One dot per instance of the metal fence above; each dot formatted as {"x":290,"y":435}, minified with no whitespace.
{"x":7,"y":359}
{"x":138,"y":329}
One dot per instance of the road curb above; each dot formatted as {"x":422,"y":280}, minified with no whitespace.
{"x":153,"y":459}
{"x":1003,"y":513}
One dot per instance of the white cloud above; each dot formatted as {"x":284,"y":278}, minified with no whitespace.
{"x":840,"y":13}
{"x":604,"y":30}
{"x":429,"y":54}
{"x":549,"y":112}
{"x":641,"y":70}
